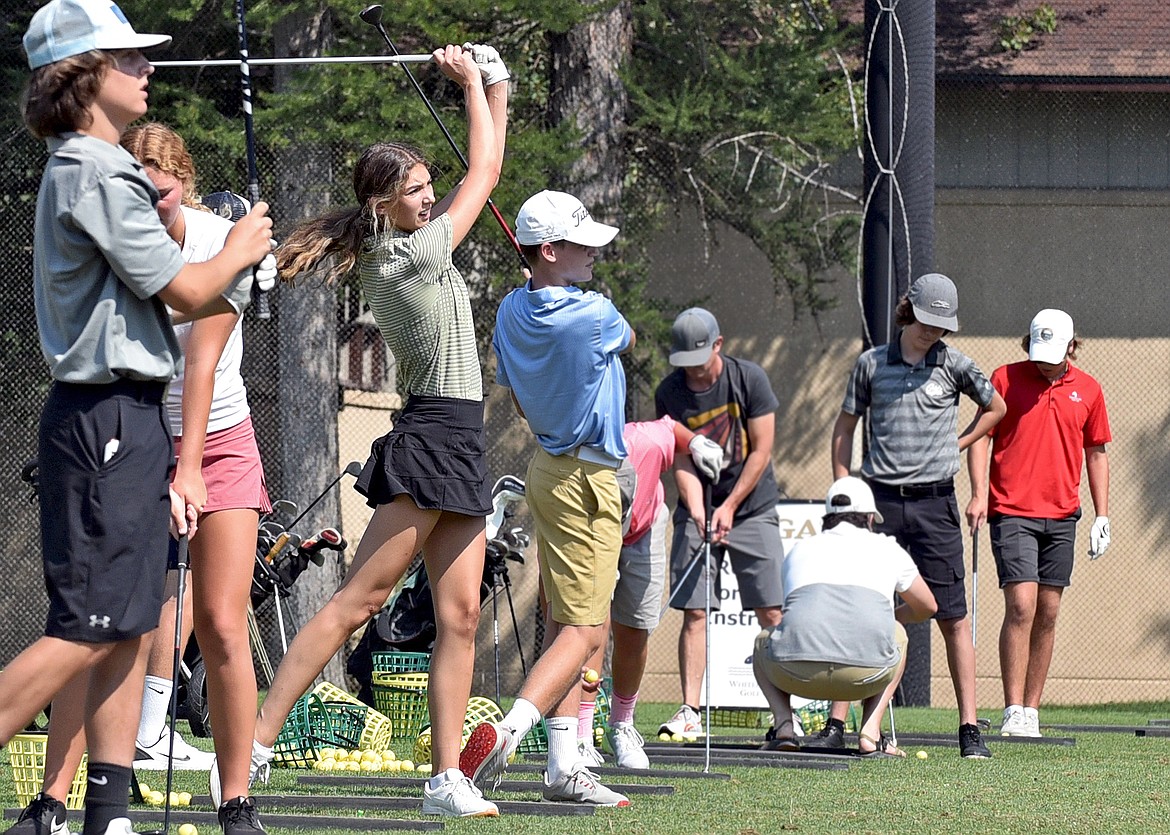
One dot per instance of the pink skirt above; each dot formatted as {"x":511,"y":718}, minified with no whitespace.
{"x":232,"y":470}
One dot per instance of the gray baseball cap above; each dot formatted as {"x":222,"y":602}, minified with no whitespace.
{"x":935,"y":301}
{"x":692,"y":337}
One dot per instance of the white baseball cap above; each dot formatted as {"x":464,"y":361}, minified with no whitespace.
{"x":64,"y":28}
{"x":1049,"y":336}
{"x":858,"y":494}
{"x":555,"y":216}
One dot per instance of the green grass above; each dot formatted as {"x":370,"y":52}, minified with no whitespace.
{"x":1106,"y":783}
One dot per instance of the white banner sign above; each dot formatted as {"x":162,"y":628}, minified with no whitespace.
{"x":734,"y":630}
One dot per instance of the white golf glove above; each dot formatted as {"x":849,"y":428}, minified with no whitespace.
{"x":707,"y":455}
{"x":265,"y":273}
{"x":491,"y":65}
{"x":1099,"y":537}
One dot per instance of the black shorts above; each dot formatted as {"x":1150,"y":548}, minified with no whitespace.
{"x":435,"y":454}
{"x":929,"y":528}
{"x":105,"y":460}
{"x":1034,"y":550}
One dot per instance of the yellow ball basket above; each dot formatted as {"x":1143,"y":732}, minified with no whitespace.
{"x":402,"y":697}
{"x":479,"y":709}
{"x":377,"y":729}
{"x":26,"y":754}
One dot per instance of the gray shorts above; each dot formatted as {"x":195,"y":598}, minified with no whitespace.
{"x":757,"y":553}
{"x":637,"y":600}
{"x":1034,"y":550}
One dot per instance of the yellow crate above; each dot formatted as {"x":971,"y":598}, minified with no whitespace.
{"x":26,"y":755}
{"x":479,"y":709}
{"x":377,"y":729}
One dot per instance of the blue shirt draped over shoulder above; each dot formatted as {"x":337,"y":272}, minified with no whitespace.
{"x":557,"y":349}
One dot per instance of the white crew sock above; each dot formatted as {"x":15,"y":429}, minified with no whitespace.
{"x":523,"y":717}
{"x":563,"y":755}
{"x":156,"y":701}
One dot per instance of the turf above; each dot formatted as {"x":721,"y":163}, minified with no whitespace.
{"x":1105,"y":783}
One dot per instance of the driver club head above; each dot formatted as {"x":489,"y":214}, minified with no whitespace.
{"x":371,"y":14}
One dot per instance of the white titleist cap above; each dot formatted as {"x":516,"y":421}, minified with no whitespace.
{"x":850,"y":494}
{"x":1049,"y":336}
{"x":555,"y":216}
{"x":64,"y":28}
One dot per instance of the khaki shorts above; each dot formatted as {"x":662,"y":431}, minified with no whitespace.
{"x":822,"y":680}
{"x":576,"y":511}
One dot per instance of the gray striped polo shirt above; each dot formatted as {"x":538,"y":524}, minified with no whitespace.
{"x":420,"y":302}
{"x":913,"y":411}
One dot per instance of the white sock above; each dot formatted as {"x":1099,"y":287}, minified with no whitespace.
{"x":563,"y":755}
{"x":156,"y":701}
{"x":444,"y":777}
{"x":523,"y":717}
{"x":261,"y":753}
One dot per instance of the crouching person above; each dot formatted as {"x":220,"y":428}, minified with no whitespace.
{"x":842,"y":637}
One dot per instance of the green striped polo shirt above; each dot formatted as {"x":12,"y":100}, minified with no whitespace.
{"x":420,"y":302}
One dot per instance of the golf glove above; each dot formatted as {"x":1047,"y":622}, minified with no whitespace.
{"x":491,"y":65}
{"x":266,"y":273}
{"x":1099,"y":537}
{"x":707,"y":455}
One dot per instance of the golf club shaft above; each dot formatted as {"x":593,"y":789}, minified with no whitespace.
{"x":377,"y":23}
{"x":707,"y":625}
{"x":974,"y":586}
{"x":349,"y":470}
{"x":259,"y":297}
{"x":270,"y":62}
{"x":177,"y":659}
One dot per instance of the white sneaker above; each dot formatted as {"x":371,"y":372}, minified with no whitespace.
{"x":626,"y":744}
{"x":1032,"y":716}
{"x":1015,"y":722}
{"x":153,"y":757}
{"x":456,"y":797}
{"x":590,"y":756}
{"x":120,"y":826}
{"x":582,"y":786}
{"x":258,"y":772}
{"x":685,"y":721}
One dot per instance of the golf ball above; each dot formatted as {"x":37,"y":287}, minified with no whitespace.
{"x":676,"y":737}
{"x":591,"y":676}
{"x":188,"y":829}
{"x":922,"y":755}
{"x":664,"y":737}
{"x":184,"y":798}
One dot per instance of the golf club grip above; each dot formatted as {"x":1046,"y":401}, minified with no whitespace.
{"x":277,"y":546}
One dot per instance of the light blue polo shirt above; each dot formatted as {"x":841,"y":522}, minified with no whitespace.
{"x":557,"y":349}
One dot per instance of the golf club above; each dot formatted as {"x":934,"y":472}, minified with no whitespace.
{"x":258,"y":296}
{"x":182,"y":563}
{"x":707,"y":625}
{"x":974,"y":586}
{"x":277,"y":62}
{"x":373,"y":16}
{"x":353,"y":468}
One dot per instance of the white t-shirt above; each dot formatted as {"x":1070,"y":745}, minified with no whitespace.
{"x":206,"y":233}
{"x":838,"y":598}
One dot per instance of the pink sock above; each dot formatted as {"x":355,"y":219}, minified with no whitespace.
{"x":585,"y":720}
{"x":621,"y":708}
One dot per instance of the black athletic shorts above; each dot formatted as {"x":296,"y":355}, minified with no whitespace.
{"x":105,"y":458}
{"x":927,"y":525}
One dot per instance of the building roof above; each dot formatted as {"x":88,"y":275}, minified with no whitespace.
{"x":1105,"y":42}
{"x":1093,"y":39}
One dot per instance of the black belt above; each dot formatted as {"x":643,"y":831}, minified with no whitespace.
{"x":936,"y":489}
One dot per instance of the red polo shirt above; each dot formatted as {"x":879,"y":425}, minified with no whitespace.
{"x":1037,"y":449}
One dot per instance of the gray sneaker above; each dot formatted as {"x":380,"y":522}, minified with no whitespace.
{"x":582,"y":786}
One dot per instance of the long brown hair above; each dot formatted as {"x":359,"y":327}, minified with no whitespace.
{"x":378,"y":181}
{"x":57,"y":97}
{"x":160,"y":147}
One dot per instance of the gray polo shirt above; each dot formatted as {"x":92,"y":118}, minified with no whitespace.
{"x":100,"y":255}
{"x":913,"y":411}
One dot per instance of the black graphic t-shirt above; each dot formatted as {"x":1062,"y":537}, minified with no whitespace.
{"x":721,"y":413}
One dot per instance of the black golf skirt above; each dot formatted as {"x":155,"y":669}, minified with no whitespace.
{"x":435,"y":454}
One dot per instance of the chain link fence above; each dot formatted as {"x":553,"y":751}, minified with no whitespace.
{"x":1052,"y":189}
